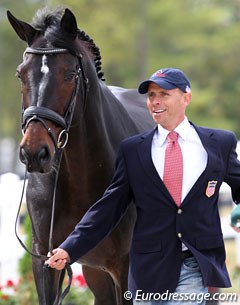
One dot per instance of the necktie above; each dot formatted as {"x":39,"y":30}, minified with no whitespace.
{"x":173,"y":167}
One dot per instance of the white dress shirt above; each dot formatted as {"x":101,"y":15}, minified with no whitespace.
{"x":194,"y":154}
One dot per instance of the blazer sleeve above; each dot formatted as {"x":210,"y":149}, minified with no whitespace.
{"x":103,"y":216}
{"x":232,"y":177}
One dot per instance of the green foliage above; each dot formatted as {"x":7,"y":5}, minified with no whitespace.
{"x":25,"y":294}
{"x":26,"y":290}
{"x":78,"y":296}
{"x":136,"y":38}
{"x":25,"y":263}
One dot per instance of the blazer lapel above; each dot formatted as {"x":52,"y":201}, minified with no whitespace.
{"x":144,"y":151}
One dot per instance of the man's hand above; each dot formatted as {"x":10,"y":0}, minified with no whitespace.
{"x":58,"y":259}
{"x":235,"y":218}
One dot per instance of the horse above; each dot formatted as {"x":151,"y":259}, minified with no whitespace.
{"x":72,"y":126}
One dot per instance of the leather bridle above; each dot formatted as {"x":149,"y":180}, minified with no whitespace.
{"x":41,"y":114}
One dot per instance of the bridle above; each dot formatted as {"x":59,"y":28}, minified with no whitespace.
{"x":41,"y":114}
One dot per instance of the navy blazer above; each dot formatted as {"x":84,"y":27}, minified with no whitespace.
{"x":161,"y":227}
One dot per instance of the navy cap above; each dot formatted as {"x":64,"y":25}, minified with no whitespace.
{"x":167,"y":78}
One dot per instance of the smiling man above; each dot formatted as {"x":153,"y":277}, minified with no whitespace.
{"x":169,"y":94}
{"x":173,"y":174}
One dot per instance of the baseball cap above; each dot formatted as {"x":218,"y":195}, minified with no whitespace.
{"x":167,"y":78}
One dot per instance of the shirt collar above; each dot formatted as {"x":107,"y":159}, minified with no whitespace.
{"x":182,"y":129}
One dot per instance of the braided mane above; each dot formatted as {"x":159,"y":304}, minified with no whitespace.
{"x":96,"y":52}
{"x":48,"y":22}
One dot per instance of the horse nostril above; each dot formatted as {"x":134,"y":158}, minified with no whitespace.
{"x":37,"y":160}
{"x":24,"y":157}
{"x":44,"y":154}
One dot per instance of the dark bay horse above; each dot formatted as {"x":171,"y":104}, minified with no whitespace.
{"x":64,"y":97}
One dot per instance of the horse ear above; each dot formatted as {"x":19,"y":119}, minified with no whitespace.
{"x":69,"y":24}
{"x":24,"y":30}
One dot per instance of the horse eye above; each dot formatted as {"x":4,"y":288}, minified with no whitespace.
{"x":69,"y":75}
{"x":18,"y":75}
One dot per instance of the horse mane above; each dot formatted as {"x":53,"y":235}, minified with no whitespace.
{"x":48,"y":22}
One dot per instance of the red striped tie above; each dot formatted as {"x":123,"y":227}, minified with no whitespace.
{"x":173,"y":167}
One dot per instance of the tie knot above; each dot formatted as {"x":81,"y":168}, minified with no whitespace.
{"x":172,"y":136}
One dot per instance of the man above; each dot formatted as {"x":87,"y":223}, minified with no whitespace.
{"x":173,"y":173}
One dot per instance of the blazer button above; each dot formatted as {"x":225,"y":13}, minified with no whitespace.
{"x":180,"y":211}
{"x":179,"y":235}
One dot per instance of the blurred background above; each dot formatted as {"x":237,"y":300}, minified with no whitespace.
{"x":136,"y":38}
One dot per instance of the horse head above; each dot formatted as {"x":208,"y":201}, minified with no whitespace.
{"x":52,"y":74}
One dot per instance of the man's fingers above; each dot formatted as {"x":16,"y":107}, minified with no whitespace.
{"x":58,"y":258}
{"x":59,"y":265}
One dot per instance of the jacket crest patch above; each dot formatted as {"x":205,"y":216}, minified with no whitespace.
{"x":210,"y":190}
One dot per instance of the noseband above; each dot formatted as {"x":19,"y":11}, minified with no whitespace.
{"x":39,"y":113}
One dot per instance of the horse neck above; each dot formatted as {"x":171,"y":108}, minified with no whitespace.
{"x":105,"y":119}
{"x":94,"y":137}
{"x":96,"y":133}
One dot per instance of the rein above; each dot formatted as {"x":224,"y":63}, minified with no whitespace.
{"x":59,"y":298}
{"x":38,"y":113}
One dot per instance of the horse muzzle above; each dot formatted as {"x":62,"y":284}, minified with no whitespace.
{"x":39,"y":161}
{"x":37,"y":150}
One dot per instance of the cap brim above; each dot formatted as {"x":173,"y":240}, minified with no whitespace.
{"x":143,"y":87}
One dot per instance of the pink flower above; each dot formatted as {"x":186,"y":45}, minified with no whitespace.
{"x":80,"y":281}
{"x":10,"y":283}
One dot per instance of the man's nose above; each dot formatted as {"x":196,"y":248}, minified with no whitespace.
{"x":157,"y":100}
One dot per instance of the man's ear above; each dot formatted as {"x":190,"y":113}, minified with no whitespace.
{"x":188,"y":97}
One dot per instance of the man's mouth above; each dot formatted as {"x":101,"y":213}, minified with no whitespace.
{"x":159,"y":110}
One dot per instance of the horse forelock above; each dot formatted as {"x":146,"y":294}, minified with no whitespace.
{"x":48,"y":23}
{"x":46,"y":17}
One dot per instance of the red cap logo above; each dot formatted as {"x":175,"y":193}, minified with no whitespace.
{"x":159,"y":74}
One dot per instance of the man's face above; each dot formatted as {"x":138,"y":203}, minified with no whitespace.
{"x":167,"y":107}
